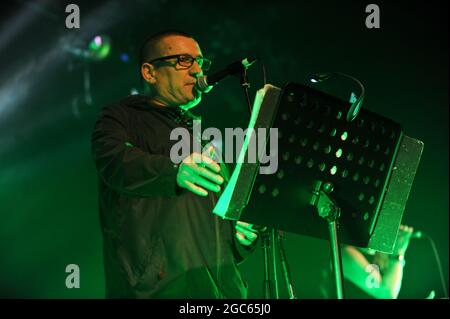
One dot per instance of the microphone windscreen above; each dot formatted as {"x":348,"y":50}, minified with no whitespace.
{"x":202,"y":84}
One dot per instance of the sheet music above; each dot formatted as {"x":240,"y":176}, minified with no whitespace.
{"x":223,"y":205}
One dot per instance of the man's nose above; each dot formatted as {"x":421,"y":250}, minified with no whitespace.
{"x":195,"y":69}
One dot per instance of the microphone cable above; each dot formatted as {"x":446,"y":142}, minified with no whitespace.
{"x":438,"y":262}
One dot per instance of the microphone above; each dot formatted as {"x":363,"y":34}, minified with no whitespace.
{"x":205,"y":83}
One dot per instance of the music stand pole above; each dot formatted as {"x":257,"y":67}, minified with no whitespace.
{"x":330,"y":211}
{"x":336,"y":258}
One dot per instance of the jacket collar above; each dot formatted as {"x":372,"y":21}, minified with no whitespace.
{"x":179,"y":115}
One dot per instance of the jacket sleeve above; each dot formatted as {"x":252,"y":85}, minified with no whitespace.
{"x":125,"y":167}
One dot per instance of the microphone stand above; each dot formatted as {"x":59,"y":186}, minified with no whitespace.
{"x":270,"y":290}
{"x":270,"y":237}
{"x":245,"y":84}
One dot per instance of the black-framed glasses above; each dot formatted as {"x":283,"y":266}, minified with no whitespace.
{"x":186,"y":60}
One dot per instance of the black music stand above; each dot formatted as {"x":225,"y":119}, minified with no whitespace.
{"x":369,"y":163}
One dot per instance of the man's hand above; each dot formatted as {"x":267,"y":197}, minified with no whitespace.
{"x":245,"y":233}
{"x":198,"y":173}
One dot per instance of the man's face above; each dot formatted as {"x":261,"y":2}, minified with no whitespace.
{"x":175,"y":84}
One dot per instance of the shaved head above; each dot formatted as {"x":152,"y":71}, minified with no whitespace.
{"x":153,"y":47}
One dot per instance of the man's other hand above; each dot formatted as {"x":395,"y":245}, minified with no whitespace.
{"x":245,"y":233}
{"x":199,"y":174}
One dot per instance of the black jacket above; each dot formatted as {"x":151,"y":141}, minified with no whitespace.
{"x":160,"y":241}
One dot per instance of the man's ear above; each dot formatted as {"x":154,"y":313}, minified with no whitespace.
{"x":148,"y":73}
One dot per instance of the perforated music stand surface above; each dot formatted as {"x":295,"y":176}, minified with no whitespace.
{"x":317,"y":143}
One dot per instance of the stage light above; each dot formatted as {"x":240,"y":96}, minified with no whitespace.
{"x":99,"y":47}
{"x":124,"y":57}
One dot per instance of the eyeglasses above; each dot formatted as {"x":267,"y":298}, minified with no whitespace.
{"x":186,"y":60}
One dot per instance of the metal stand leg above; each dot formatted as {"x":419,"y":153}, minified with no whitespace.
{"x":266,"y":245}
{"x":271,"y":240}
{"x":274,"y":240}
{"x":336,"y":259}
{"x":285,"y":266}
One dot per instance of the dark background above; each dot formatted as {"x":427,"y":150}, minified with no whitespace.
{"x":48,"y":195}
